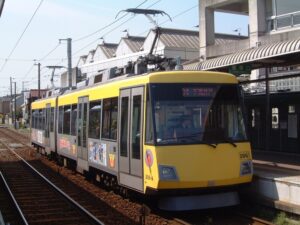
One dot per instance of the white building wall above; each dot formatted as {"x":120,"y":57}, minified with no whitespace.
{"x":99,"y":55}
{"x":89,"y":58}
{"x":123,"y":49}
{"x":81,"y":62}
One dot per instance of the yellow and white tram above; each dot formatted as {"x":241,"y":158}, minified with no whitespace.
{"x":178,"y":133}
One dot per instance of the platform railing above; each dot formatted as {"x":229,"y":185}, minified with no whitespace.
{"x":288,"y":20}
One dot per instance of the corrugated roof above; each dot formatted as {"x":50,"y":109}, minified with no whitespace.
{"x":134,"y":42}
{"x":190,"y":39}
{"x":249,"y":55}
{"x":179,"y":38}
{"x":109,"y":49}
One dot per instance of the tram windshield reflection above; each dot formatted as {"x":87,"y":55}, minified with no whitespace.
{"x":196,"y":113}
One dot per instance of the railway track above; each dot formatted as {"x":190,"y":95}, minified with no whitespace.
{"x":40,"y":200}
{"x":107,"y":206}
{"x":221,"y":216}
{"x":10,"y":212}
{"x":117,"y":209}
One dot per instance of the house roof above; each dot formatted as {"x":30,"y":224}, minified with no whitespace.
{"x":108,"y":49}
{"x":82,"y":59}
{"x":179,"y":38}
{"x":34,"y":93}
{"x":190,"y":39}
{"x":134,"y":42}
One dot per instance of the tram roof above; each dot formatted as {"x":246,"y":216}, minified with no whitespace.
{"x":111,"y":87}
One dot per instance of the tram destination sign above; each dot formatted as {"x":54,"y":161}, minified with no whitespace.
{"x":198,"y":91}
{"x":240,"y":69}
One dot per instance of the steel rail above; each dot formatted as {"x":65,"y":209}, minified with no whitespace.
{"x":81,"y":208}
{"x":255,"y":219}
{"x":14,"y":200}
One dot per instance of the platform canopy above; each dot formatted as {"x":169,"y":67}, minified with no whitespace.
{"x":276,"y":54}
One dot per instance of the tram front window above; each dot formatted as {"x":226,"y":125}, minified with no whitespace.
{"x":197,"y":113}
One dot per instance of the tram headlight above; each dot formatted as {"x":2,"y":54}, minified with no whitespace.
{"x":167,"y":173}
{"x":246,"y":168}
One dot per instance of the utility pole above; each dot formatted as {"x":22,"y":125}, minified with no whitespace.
{"x":15,"y":114}
{"x":39,"y":79}
{"x":53,"y":74}
{"x":69,"y":53}
{"x":11,"y":111}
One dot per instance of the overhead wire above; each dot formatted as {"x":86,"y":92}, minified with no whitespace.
{"x":173,"y":17}
{"x":179,"y":14}
{"x":21,"y":36}
{"x":128,"y":20}
{"x":79,"y":39}
{"x":110,"y":31}
{"x":28,"y":72}
{"x":106,"y":26}
{"x":86,"y":36}
{"x":92,"y":42}
{"x":49,"y":53}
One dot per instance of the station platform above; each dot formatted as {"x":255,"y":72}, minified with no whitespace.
{"x":276,"y":180}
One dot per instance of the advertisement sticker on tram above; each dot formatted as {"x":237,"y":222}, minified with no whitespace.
{"x":97,"y":153}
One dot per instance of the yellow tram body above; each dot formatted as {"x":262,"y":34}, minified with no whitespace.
{"x":195,"y":166}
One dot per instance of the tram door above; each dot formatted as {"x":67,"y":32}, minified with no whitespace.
{"x":130,"y":139}
{"x":82,"y":153}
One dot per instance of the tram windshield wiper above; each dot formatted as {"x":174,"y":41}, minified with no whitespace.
{"x":228,"y":140}
{"x":209,"y":144}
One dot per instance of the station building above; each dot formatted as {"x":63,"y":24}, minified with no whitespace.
{"x":267,"y":64}
{"x":269,"y":51}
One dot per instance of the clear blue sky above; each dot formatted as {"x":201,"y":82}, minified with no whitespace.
{"x":74,"y":19}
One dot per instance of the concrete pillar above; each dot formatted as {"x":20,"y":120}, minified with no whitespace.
{"x":206,"y":28}
{"x":257,"y":27}
{"x":257,"y":20}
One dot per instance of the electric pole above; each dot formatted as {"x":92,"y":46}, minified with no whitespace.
{"x":39,"y":79}
{"x":11,"y":112}
{"x":15,"y":106}
{"x":69,"y":53}
{"x":53,"y":74}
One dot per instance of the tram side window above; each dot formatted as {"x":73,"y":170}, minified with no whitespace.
{"x":94,"y":119}
{"x":73,"y":120}
{"x":40,"y":119}
{"x":67,"y":117}
{"x":149,"y":123}
{"x":60,"y":119}
{"x":51,"y":119}
{"x":109,"y":119}
{"x":136,"y":127}
{"x":124,"y":126}
{"x":35,"y":119}
{"x":43,"y":119}
{"x":37,"y":115}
